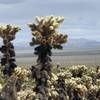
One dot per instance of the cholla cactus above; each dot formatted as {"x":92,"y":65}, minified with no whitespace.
{"x":78,"y":71}
{"x":60,"y":86}
{"x":45,"y":35}
{"x":44,"y":31}
{"x":11,"y":89}
{"x":21,"y":74}
{"x":80,"y":92}
{"x":8,"y":91}
{"x":7,"y":33}
{"x":92,"y":93}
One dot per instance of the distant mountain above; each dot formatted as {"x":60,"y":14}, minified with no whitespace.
{"x":82,"y":43}
{"x":71,"y":44}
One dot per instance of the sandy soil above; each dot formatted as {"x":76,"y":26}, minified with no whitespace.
{"x":90,"y":58}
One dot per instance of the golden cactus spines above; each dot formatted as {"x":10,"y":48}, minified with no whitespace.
{"x":8,"y":30}
{"x":51,"y":28}
{"x":38,"y":19}
{"x":20,"y":72}
{"x":45,"y":28}
{"x":60,"y":19}
{"x":1,"y":32}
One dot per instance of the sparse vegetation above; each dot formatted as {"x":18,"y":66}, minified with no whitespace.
{"x":63,"y":84}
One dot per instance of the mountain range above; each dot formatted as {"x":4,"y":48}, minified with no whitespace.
{"x":80,"y":43}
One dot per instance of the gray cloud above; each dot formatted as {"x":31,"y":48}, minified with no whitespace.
{"x":10,"y":1}
{"x":81,"y":16}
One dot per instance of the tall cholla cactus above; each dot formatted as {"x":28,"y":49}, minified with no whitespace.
{"x":46,"y":37}
{"x":7,"y":33}
{"x":45,"y":34}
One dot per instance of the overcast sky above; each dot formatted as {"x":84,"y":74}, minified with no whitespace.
{"x":82,"y":17}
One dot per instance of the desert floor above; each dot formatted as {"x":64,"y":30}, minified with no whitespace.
{"x":91,"y":58}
